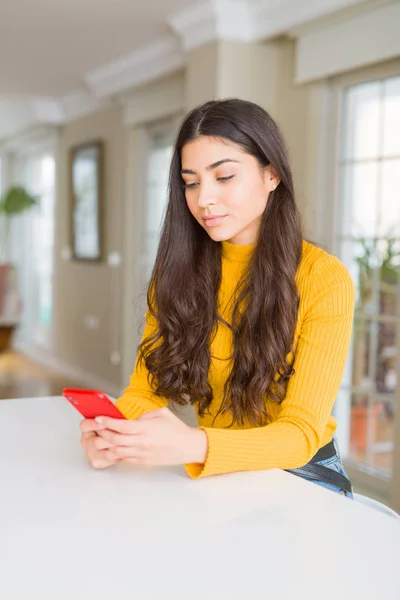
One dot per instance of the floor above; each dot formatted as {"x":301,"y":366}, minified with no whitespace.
{"x":21,"y":378}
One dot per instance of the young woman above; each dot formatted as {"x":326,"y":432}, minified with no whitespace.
{"x":246,"y":320}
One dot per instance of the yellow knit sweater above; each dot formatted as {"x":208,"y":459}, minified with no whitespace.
{"x":302,"y":423}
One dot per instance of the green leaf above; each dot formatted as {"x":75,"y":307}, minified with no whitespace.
{"x":16,"y":200}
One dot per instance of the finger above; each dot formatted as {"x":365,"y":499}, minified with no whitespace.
{"x":102,"y":444}
{"x":154,"y":414}
{"x":122,"y":453}
{"x":110,"y":455}
{"x":102,"y":462}
{"x":119,"y":439}
{"x":104,"y":454}
{"x":86,"y":437}
{"x":124,"y":426}
{"x":88,"y":425}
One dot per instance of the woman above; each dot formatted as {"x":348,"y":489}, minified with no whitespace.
{"x":246,"y":320}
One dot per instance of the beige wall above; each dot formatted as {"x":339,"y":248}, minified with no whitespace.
{"x":201,"y":75}
{"x":80,"y":288}
{"x":249,"y":71}
{"x":156,"y":100}
{"x":292,"y":116}
{"x":228,"y":69}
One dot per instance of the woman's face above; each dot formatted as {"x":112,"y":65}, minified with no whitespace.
{"x":226,"y":189}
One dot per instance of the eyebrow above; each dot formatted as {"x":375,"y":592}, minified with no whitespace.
{"x":211,"y":167}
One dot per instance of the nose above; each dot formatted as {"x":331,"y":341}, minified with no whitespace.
{"x":207,"y":196}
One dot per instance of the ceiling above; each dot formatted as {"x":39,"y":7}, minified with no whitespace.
{"x":60,"y":58}
{"x":46,"y":46}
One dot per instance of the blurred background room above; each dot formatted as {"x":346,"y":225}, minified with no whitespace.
{"x":91,"y":94}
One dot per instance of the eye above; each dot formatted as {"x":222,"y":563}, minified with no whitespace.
{"x":222,"y":179}
{"x":189,"y":185}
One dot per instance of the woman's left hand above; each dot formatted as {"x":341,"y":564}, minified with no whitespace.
{"x":156,"y":438}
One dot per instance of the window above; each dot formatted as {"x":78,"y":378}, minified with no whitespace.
{"x":369,"y":244}
{"x":2,"y":225}
{"x":33,"y":248}
{"x":160,"y":155}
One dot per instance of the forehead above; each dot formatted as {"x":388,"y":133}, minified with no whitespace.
{"x":205,"y":150}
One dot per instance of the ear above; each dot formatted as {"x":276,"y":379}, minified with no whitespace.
{"x":271,"y":179}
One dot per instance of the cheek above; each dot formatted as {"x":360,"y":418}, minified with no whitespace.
{"x":248,"y":200}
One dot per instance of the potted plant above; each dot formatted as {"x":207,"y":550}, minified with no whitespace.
{"x":15,"y":201}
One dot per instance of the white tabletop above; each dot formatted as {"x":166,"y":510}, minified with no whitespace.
{"x":68,"y":532}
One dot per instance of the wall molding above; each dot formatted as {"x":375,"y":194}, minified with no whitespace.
{"x":364,"y":40}
{"x":272,"y":17}
{"x":247,"y":20}
{"x":32,"y":141}
{"x":24,"y":114}
{"x":80,"y":103}
{"x":213,"y":20}
{"x":157,"y":100}
{"x":146,"y":64}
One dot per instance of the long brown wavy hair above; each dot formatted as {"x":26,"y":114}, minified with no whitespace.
{"x":183,"y":291}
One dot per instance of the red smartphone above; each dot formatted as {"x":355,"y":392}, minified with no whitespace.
{"x":92,"y":403}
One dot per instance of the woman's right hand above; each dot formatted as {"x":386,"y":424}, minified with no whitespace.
{"x":98,"y":450}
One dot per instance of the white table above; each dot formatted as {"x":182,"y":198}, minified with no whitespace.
{"x":68,"y":532}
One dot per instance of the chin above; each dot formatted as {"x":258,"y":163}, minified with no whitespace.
{"x":219,"y":236}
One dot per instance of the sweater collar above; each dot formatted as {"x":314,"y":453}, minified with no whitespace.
{"x":235,"y":253}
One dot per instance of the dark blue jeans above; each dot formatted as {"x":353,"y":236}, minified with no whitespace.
{"x":334,"y":463}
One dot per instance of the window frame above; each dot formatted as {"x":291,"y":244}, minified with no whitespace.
{"x":388,"y":490}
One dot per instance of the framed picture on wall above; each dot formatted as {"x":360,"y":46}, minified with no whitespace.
{"x":86,"y":200}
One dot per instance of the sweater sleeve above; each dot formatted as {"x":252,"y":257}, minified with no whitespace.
{"x":139,"y":397}
{"x":320,"y":357}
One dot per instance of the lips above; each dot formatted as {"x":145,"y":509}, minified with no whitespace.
{"x":213,"y":220}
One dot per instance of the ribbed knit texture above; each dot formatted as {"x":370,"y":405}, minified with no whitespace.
{"x":302,"y":423}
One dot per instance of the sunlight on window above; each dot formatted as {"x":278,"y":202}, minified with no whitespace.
{"x":391,"y":117}
{"x":361,"y":108}
{"x":40,"y":180}
{"x":157,"y":193}
{"x":369,"y":241}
